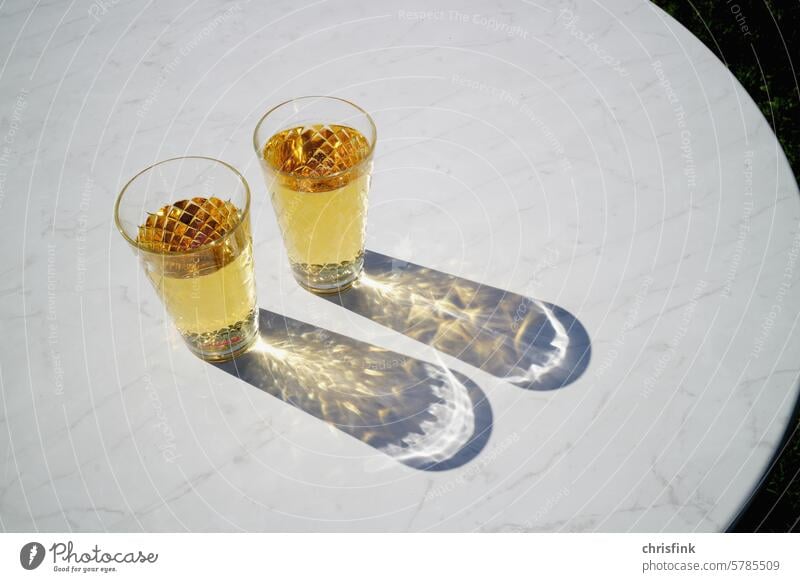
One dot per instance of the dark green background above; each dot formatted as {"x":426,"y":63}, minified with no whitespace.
{"x":765,"y":63}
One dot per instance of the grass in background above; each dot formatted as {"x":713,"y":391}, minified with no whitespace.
{"x":756,"y":41}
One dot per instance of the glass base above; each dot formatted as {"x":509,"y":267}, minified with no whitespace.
{"x":330,"y":278}
{"x":225,"y":344}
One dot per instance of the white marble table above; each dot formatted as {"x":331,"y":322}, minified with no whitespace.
{"x":593,"y":156}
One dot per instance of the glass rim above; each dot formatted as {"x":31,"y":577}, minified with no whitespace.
{"x":258,"y":148}
{"x":204,"y":247}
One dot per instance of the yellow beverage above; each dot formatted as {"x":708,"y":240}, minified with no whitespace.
{"x":319,"y":181}
{"x":204,"y":277}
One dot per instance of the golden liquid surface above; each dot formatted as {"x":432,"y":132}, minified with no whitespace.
{"x":320,"y":198}
{"x":210,"y":291}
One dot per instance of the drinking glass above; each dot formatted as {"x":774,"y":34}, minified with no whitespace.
{"x":316,"y":154}
{"x":188,"y":220}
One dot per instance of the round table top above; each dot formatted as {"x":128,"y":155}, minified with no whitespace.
{"x":596,"y":159}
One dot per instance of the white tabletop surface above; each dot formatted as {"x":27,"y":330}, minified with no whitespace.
{"x":594,"y":156}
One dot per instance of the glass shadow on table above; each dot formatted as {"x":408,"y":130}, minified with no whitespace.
{"x":421,"y":414}
{"x":529,"y":343}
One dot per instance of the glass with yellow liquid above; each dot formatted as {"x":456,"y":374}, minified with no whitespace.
{"x":188,"y":219}
{"x":316,"y":153}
